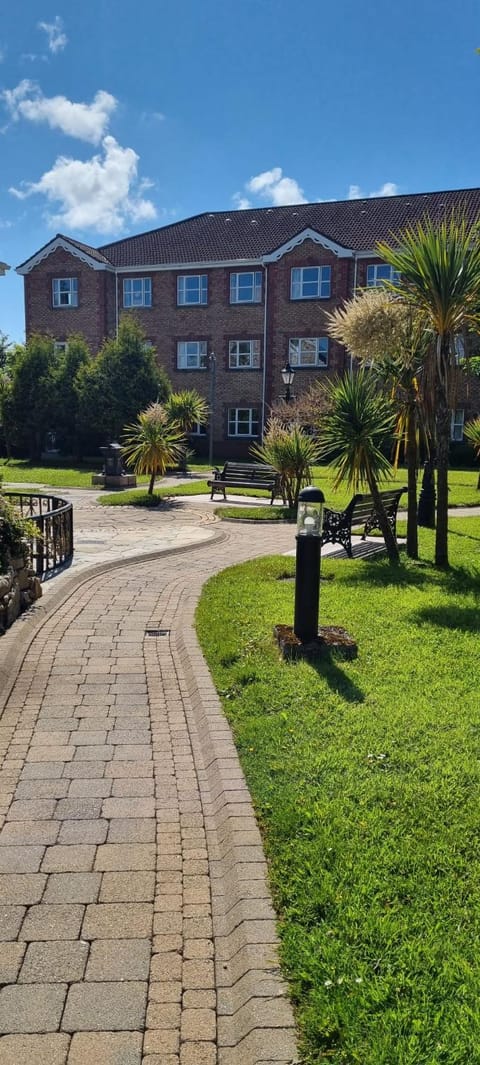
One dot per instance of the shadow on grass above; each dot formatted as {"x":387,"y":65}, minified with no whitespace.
{"x":465,"y":618}
{"x":338,"y":681}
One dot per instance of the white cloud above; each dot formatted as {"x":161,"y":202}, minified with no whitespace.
{"x":389,"y":188}
{"x":57,"y":39}
{"x":88,"y":122}
{"x":100,"y":193}
{"x":241,"y":202}
{"x":271,"y":185}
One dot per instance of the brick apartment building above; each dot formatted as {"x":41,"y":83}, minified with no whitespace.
{"x":252,"y":287}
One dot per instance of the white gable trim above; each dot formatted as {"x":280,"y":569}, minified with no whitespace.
{"x":61,"y":242}
{"x":308,"y":234}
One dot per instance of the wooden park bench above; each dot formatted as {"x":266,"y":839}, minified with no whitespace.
{"x":338,"y":524}
{"x":244,"y":475}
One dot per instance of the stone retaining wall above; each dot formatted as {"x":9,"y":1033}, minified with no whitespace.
{"x":19,"y":588}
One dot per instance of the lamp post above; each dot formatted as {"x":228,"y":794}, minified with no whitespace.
{"x":288,"y":374}
{"x":212,"y":366}
{"x":307,"y":573}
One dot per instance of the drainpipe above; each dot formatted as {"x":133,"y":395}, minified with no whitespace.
{"x":116,"y":304}
{"x":355,"y":268}
{"x":264,"y":375}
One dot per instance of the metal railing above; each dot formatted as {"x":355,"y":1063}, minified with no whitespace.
{"x":54,"y":520}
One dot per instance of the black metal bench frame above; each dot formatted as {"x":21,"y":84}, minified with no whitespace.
{"x":244,"y":475}
{"x":338,"y":524}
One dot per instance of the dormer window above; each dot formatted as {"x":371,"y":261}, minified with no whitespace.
{"x":65,"y":291}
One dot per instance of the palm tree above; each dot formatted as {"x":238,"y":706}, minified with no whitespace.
{"x":439,"y":266}
{"x":292,"y":453}
{"x":386,"y":336}
{"x":187,"y":409}
{"x":472,"y":433}
{"x":360,"y":420}
{"x":152,"y":443}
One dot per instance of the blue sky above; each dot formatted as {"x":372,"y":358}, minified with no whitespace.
{"x":116,"y":118}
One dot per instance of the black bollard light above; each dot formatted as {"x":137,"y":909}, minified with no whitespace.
{"x":307,"y":572}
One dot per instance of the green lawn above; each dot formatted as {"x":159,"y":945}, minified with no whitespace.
{"x":19,"y":471}
{"x":365,"y":777}
{"x":256,"y":513}
{"x":135,"y":498}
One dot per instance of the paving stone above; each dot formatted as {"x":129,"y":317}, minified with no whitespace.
{"x":118,"y":921}
{"x":20,"y":858}
{"x":36,"y":1008}
{"x":84,"y":770}
{"x":198,"y":1024}
{"x":128,"y":887}
{"x":42,"y":771}
{"x":91,"y":831}
{"x":140,"y":807}
{"x":124,"y":856}
{"x":165,"y":991}
{"x":161,"y":1042}
{"x":62,"y":753}
{"x":90,"y":788}
{"x":126,"y":959}
{"x":11,"y":956}
{"x":41,"y":789}
{"x":128,"y":769}
{"x":198,"y":1054}
{"x":105,"y":1007}
{"x":69,"y":859}
{"x":132,"y":830}
{"x":29,"y":832}
{"x":106,"y":1048}
{"x":55,"y":962}
{"x":21,"y":888}
{"x":11,"y":918}
{"x":78,"y":809}
{"x":73,"y":887}
{"x":198,"y":974}
{"x":31,"y":810}
{"x":47,"y":922}
{"x":90,"y":737}
{"x":163,"y":1015}
{"x":166,"y":967}
{"x":34,"y":1049}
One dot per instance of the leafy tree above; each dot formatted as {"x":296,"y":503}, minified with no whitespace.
{"x":292,"y":453}
{"x":121,"y":381}
{"x":384,"y":333}
{"x":65,"y":416}
{"x":307,"y":409}
{"x":153,"y":443}
{"x":29,"y":403}
{"x":439,"y":268}
{"x":360,"y":419}
{"x":472,"y":433}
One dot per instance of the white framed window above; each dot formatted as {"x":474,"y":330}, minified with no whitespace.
{"x":192,"y":289}
{"x":310,"y":282}
{"x":137,"y":292}
{"x":246,"y":287}
{"x":456,"y":426}
{"x":192,"y":355}
{"x":65,"y":291}
{"x":243,"y":421}
{"x":459,"y":347}
{"x":308,"y":351}
{"x":198,"y":430}
{"x":378,"y":273}
{"x":244,"y":354}
{"x":60,"y":347}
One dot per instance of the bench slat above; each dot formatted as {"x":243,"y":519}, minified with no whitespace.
{"x":244,"y":475}
{"x":338,"y":524}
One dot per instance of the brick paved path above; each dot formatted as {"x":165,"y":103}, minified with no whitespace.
{"x":134,"y":912}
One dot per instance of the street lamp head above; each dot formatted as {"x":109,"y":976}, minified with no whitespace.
{"x":310,"y":512}
{"x":288,"y":373}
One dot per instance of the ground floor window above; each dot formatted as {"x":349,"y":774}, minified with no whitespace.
{"x":192,"y":355}
{"x":243,"y":421}
{"x":308,"y":351}
{"x":60,"y":347}
{"x":456,"y":425}
{"x":198,"y":430}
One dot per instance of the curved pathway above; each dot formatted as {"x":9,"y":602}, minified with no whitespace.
{"x":135,"y":915}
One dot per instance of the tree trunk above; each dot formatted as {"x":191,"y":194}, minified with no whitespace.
{"x":390,"y":541}
{"x":152,"y":482}
{"x":412,"y":526}
{"x":442,"y":424}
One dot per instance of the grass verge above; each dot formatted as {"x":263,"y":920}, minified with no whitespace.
{"x":137,"y":498}
{"x":365,"y":779}
{"x":255,"y":513}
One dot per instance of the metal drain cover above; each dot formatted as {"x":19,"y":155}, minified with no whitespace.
{"x":157,"y":632}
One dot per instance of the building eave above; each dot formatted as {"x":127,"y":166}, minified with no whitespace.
{"x":317,"y":238}
{"x":65,"y":245}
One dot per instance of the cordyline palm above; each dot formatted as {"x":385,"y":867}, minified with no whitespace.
{"x":186,"y":408}
{"x":152,"y":443}
{"x":440,"y":277}
{"x":292,"y":453}
{"x":359,"y":422}
{"x":472,"y":433}
{"x":385,"y":334}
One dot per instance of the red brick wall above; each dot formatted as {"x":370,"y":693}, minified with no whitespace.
{"x":93,"y":316}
